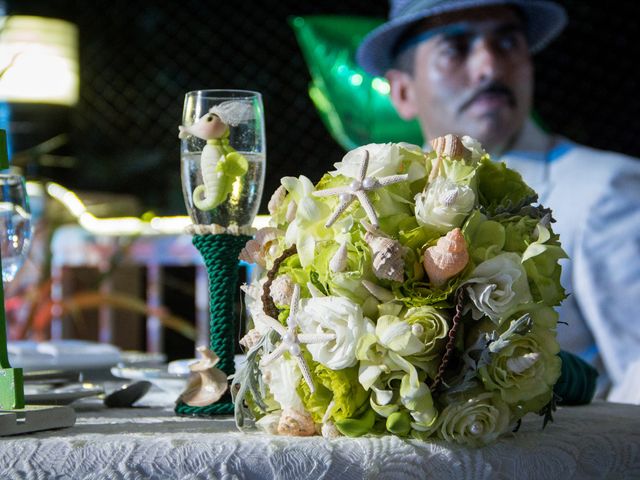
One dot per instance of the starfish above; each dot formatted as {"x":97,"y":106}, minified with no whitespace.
{"x":357,"y":189}
{"x":291,"y":340}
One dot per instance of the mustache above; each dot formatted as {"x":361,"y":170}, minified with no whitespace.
{"x":493,"y":88}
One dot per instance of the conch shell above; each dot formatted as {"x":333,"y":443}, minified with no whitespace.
{"x":276,"y":199}
{"x":206,"y":383}
{"x":451,"y":146}
{"x":255,"y":250}
{"x":388,"y":263}
{"x":447,"y":258}
{"x":338,"y":262}
{"x":251,"y":338}
{"x":297,"y":423}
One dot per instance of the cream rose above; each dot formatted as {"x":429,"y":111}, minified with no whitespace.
{"x":444,"y":204}
{"x":337,"y":315}
{"x":497,"y":286}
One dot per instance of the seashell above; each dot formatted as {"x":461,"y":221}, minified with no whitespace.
{"x":377,"y":291}
{"x":447,"y":258}
{"x":290,"y":216}
{"x":206,"y":384}
{"x":282,"y":290}
{"x":339,"y":261}
{"x":276,"y":199}
{"x":330,"y":431}
{"x":521,"y":363}
{"x":388,"y":263}
{"x":256,"y":249}
{"x":451,"y":146}
{"x":297,"y":423}
{"x":252,"y":337}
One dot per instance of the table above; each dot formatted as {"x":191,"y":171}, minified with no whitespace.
{"x":595,"y":441}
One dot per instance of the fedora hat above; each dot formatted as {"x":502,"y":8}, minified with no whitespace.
{"x":544,"y":20}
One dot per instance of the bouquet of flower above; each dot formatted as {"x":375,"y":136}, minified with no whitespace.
{"x":407,"y":292}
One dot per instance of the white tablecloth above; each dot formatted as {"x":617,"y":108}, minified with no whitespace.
{"x":596,"y":441}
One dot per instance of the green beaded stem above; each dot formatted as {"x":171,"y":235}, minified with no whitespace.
{"x":220,"y":253}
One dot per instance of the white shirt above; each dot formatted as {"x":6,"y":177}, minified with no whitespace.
{"x":595,"y":198}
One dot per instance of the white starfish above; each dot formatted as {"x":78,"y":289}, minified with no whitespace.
{"x":357,"y":189}
{"x":291,"y":340}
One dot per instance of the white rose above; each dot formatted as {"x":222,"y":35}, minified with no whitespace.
{"x":337,"y":315}
{"x":384,"y":159}
{"x":497,"y":286}
{"x":444,"y":204}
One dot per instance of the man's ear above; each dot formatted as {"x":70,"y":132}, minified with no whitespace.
{"x":402,"y":93}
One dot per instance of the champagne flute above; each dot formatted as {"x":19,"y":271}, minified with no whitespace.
{"x":15,"y":224}
{"x":223,"y":156}
{"x":222,"y":168}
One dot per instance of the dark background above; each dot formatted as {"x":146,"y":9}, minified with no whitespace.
{"x":139,"y":57}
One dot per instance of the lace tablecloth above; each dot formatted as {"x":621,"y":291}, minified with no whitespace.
{"x":596,"y":441}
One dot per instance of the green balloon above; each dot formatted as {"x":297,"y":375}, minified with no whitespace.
{"x":354,"y":106}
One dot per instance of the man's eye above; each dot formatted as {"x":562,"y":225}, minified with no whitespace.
{"x":509,"y":42}
{"x":455,"y":48}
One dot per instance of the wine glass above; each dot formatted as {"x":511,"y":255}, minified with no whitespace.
{"x":15,"y":224}
{"x":223,"y":156}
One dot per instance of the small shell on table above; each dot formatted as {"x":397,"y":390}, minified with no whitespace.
{"x":446,"y":258}
{"x":388,"y":263}
{"x":206,"y":383}
{"x":297,"y":423}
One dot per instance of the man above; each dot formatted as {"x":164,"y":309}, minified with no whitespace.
{"x":465,"y":67}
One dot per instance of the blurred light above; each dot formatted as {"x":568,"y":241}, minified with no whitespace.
{"x":381,"y":85}
{"x":40,"y":56}
{"x":356,"y":79}
{"x":125,"y":225}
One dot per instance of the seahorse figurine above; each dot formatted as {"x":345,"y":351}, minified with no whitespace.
{"x":220,"y":164}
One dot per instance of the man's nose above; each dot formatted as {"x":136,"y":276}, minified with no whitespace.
{"x":485,"y":63}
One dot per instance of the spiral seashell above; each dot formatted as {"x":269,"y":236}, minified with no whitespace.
{"x":276,"y":199}
{"x":450,"y":146}
{"x":338,"y":262}
{"x":282,"y":290}
{"x":388,"y":263}
{"x":447,"y":258}
{"x":521,"y":363}
{"x":297,"y":423}
{"x":250,"y":339}
{"x":255,"y":250}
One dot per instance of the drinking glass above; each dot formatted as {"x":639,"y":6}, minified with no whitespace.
{"x":15,"y":224}
{"x":223,"y":156}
